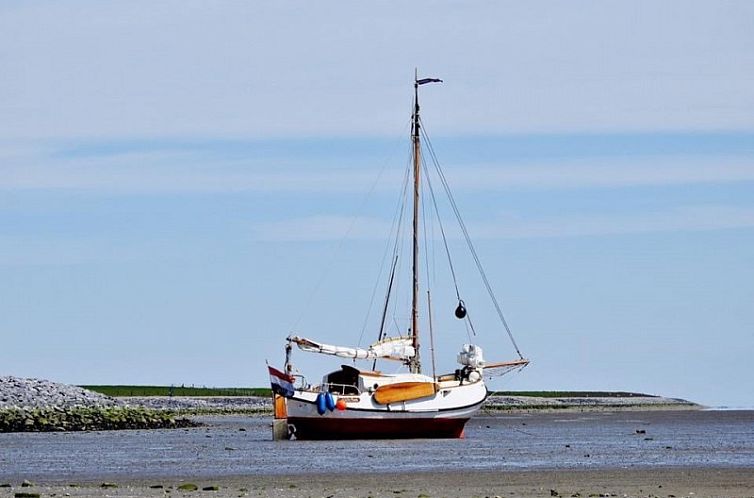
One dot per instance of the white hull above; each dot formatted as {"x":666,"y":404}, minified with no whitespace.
{"x":443,"y":414}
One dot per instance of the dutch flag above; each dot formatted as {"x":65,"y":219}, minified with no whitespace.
{"x":282,"y":383}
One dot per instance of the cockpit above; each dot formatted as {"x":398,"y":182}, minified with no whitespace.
{"x":343,"y":381}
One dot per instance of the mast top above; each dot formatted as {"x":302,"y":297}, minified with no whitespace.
{"x":424,"y":81}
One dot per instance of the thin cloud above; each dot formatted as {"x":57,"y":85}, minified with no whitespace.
{"x":606,"y":173}
{"x":679,"y":219}
{"x":322,"y":228}
{"x":94,"y":247}
{"x":171,"y":172}
{"x":254,"y":69}
{"x":183,"y":172}
{"x":511,"y":226}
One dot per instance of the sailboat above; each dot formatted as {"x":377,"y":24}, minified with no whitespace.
{"x":352,"y":402}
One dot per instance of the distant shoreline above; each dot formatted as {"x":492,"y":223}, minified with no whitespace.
{"x":38,"y":405}
{"x":193,"y":400}
{"x":495,"y":404}
{"x":203,"y":391}
{"x":602,"y":402}
{"x":175,"y":412}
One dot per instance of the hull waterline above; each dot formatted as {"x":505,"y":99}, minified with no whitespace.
{"x":377,"y":428}
{"x":434,"y":417}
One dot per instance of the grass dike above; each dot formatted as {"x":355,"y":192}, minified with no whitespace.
{"x":257,"y":401}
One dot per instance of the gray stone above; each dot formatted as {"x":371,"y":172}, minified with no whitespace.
{"x":26,"y":394}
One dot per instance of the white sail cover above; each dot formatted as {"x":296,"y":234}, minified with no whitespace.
{"x":397,"y":348}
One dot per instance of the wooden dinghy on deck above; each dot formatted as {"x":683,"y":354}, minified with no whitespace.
{"x":404,"y":391}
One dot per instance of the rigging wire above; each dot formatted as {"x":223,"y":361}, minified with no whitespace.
{"x":424,"y":229}
{"x":339,"y":247}
{"x":402,"y":239}
{"x":381,"y":333}
{"x":457,"y":213}
{"x":395,"y":225}
{"x":469,"y":330}
{"x":399,"y":246}
{"x":430,"y":282}
{"x":442,"y":231}
{"x":399,"y":237}
{"x":397,"y":222}
{"x":467,"y":323}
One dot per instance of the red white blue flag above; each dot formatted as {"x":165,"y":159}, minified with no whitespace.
{"x":282,"y":383}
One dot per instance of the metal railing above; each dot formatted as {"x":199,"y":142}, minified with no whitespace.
{"x":300,"y":382}
{"x":342,"y":389}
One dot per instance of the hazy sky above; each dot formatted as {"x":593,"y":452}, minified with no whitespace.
{"x":182,"y":184}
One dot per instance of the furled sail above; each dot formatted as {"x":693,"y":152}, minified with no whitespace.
{"x":396,"y":348}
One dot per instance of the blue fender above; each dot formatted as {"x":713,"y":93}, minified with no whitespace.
{"x":321,"y":403}
{"x":329,"y":401}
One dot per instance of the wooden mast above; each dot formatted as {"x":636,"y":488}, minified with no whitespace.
{"x":415,"y":363}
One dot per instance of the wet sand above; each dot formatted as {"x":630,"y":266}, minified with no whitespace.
{"x":580,"y":455}
{"x":660,"y":482}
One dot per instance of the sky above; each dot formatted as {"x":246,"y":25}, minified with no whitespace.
{"x":183,"y":184}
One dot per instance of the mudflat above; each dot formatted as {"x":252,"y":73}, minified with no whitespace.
{"x":646,"y":482}
{"x":634,"y":454}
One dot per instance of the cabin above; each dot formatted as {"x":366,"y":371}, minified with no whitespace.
{"x":352,"y":381}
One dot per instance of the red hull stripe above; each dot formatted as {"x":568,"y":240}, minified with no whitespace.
{"x":331,"y":428}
